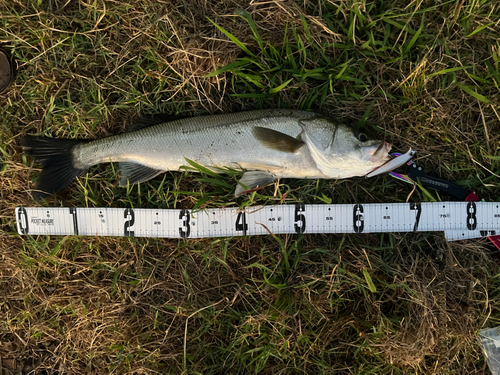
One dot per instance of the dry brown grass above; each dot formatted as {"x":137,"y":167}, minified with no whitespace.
{"x":108,"y":305}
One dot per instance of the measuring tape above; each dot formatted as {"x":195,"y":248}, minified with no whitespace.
{"x":459,"y":220}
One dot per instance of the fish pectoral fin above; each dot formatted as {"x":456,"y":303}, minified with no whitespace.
{"x":133,"y":173}
{"x":253,"y":179}
{"x":276,"y":140}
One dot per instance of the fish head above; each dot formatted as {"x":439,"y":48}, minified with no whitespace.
{"x":341,"y":152}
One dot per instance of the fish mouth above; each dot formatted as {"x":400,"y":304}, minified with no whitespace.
{"x":383,"y":149}
{"x":393,"y":163}
{"x":381,"y":152}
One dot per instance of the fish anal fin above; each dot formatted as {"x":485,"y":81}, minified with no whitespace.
{"x":276,"y":140}
{"x":134,"y":173}
{"x":254,"y":179}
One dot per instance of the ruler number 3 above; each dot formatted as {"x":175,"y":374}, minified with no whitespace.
{"x":184,"y":216}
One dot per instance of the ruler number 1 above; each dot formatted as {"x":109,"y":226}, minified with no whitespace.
{"x":72,"y":211}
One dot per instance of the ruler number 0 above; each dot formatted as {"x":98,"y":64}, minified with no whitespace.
{"x":23,"y":225}
{"x":471,"y":216}
{"x":358,"y":221}
{"x":184,"y":216}
{"x":299,"y":217}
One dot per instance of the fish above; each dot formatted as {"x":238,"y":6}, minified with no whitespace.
{"x":267,"y":145}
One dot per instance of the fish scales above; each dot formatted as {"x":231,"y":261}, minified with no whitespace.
{"x":220,"y":141}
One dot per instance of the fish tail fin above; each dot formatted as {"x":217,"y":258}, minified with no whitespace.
{"x":56,"y":157}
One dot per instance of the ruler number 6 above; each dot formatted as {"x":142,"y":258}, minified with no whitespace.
{"x":358,"y":221}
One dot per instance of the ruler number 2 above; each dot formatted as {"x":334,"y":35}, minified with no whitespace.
{"x":129,"y":223}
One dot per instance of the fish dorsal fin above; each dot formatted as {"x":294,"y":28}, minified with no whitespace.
{"x":133,"y":173}
{"x":276,"y":140}
{"x":150,"y":120}
{"x":253,"y":179}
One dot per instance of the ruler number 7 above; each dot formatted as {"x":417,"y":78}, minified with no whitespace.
{"x":416,"y":207}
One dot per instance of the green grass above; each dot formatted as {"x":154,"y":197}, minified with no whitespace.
{"x":421,"y":74}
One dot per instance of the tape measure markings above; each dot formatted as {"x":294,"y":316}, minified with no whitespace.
{"x":460,"y":220}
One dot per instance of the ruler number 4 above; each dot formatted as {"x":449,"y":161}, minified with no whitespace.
{"x":241,"y":223}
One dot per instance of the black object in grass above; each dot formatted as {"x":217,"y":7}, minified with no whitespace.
{"x":6,"y":71}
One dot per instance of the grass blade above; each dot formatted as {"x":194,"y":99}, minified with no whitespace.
{"x":470,"y":91}
{"x":232,"y":37}
{"x":369,"y":281}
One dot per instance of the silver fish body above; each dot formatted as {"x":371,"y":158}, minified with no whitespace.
{"x":271,"y":144}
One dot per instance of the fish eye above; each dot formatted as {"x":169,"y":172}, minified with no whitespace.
{"x":362,"y":137}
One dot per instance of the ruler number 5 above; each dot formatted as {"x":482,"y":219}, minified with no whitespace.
{"x":299,"y":217}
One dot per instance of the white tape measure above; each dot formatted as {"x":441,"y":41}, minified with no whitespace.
{"x":459,"y":220}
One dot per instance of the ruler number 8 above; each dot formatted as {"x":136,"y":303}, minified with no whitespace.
{"x":471,"y":216}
